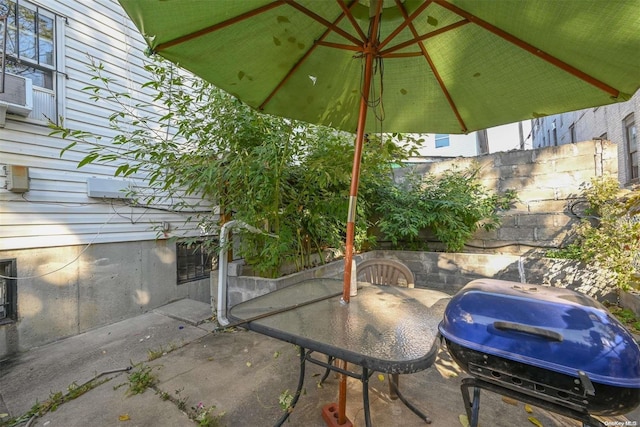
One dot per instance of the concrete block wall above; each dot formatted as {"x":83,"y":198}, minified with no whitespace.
{"x":242,"y":288}
{"x":603,"y":121}
{"x":547,"y":180}
{"x":448,"y":272}
{"x":65,"y":291}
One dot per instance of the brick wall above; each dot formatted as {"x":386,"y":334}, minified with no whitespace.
{"x":548,"y":182}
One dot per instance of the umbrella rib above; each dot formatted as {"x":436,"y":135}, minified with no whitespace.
{"x":347,"y":12}
{"x":426,"y":55}
{"x":403,"y":55}
{"x":424,"y":37}
{"x":407,"y":21}
{"x":302,"y":59}
{"x":340,"y":46}
{"x":323,"y":21}
{"x":531,"y":49}
{"x":218,"y":26}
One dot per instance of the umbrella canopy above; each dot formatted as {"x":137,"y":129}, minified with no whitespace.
{"x":441,"y":66}
{"x":438,"y":66}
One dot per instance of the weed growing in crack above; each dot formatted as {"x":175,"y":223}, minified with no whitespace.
{"x":141,"y":379}
{"x":54,"y":401}
{"x":205,"y":417}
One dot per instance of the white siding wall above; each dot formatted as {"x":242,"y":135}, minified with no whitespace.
{"x":56,"y":211}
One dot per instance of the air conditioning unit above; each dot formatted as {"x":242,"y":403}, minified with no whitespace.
{"x":17,"y":95}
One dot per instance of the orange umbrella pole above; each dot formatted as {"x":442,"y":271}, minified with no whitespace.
{"x":342,"y":396}
{"x":370,"y":50}
{"x":355,"y":173}
{"x":353,"y":195}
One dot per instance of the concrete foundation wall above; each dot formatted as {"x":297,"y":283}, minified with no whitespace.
{"x":547,"y":180}
{"x":111,"y":282}
{"x":68,"y":290}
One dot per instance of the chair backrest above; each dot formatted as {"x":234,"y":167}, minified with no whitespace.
{"x":385,"y":272}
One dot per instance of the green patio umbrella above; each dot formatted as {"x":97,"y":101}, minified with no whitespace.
{"x":440,"y":66}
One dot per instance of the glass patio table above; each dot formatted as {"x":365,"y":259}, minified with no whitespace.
{"x":386,"y":329}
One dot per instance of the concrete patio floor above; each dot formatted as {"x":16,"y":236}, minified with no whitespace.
{"x":241,"y":374}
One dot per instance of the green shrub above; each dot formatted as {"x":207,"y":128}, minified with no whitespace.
{"x":608,"y":235}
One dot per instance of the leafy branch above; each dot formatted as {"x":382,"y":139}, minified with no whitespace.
{"x":183,"y":139}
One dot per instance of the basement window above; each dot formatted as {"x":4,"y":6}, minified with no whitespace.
{"x":8,"y":291}
{"x":193,"y":261}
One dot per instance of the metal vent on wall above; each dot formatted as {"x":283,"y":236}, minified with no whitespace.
{"x":107,"y":188}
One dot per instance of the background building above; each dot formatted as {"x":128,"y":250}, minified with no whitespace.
{"x":512,"y":136}
{"x":615,"y":122}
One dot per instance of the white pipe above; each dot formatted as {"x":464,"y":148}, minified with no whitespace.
{"x":222,"y":267}
{"x":222,"y":274}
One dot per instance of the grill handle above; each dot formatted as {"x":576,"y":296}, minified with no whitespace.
{"x":519,"y":327}
{"x":587,"y":385}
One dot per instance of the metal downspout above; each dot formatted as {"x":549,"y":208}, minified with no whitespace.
{"x":221,"y":313}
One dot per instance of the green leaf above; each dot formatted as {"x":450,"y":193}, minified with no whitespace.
{"x":122,"y":170}
{"x":88,"y":159}
{"x":68,"y":147}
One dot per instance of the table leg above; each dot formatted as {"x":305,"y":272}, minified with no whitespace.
{"x":406,"y":402}
{"x":327,"y":370}
{"x":394,"y":385}
{"x":365,"y":396}
{"x":296,"y":396}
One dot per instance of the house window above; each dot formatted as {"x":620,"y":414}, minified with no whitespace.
{"x":31,"y":37}
{"x":8,"y":290}
{"x":194,"y":263}
{"x":442,"y":140}
{"x":631,"y":140}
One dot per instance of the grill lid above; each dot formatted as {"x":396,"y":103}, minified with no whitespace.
{"x":551,"y":328}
